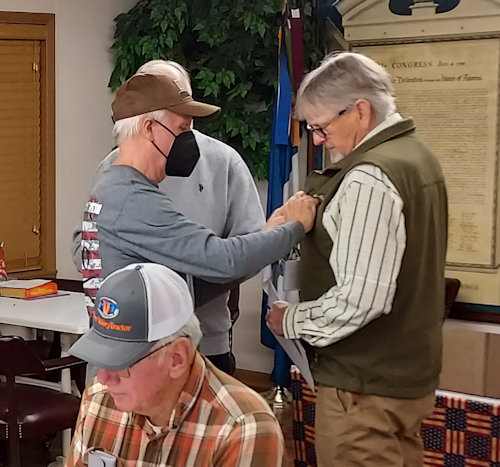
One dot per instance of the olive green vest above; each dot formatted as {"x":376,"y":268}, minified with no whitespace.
{"x":399,"y":354}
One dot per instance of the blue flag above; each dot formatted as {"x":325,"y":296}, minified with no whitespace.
{"x":283,"y":182}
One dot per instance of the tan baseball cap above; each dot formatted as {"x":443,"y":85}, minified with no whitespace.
{"x":144,"y":93}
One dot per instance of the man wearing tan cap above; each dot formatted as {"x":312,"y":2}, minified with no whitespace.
{"x":128,"y":219}
{"x":221,"y":195}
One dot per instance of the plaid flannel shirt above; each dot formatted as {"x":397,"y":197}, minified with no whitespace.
{"x":217,"y":421}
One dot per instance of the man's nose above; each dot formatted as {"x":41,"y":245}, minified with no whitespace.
{"x":106,"y":377}
{"x":318,"y":139}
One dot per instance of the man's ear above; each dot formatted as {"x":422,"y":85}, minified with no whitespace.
{"x":180,"y":355}
{"x":365,"y":113}
{"x":146,"y":128}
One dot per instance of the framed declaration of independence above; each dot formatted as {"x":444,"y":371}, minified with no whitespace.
{"x":451,"y":89}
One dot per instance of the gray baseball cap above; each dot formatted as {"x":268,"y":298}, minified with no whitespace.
{"x":135,"y":307}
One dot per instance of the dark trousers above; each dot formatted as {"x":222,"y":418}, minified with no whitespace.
{"x":224,"y":361}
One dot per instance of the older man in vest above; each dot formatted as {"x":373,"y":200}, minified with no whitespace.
{"x":372,"y":269}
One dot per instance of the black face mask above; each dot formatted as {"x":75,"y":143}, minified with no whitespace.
{"x":183,"y":155}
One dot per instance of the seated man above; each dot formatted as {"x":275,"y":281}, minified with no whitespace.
{"x":156,"y":400}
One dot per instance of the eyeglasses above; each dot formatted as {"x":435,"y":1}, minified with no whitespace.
{"x":321,"y":131}
{"x":125,"y":372}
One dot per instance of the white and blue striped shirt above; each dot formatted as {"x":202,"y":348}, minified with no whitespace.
{"x":366,"y":223}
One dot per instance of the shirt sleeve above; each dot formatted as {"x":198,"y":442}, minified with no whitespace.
{"x":151,"y":229}
{"x":365,"y":221}
{"x":76,"y":245}
{"x":254,"y":442}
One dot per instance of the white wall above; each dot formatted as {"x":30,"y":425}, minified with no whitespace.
{"x":83,"y":63}
{"x":84,"y":34}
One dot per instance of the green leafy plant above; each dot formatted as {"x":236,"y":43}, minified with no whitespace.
{"x":230,"y":48}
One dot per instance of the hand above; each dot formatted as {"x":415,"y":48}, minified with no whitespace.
{"x":276,"y":218}
{"x":302,"y":208}
{"x":274,"y":317}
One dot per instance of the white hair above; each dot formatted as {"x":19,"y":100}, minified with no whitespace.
{"x":191,"y":331}
{"x":127,"y":127}
{"x":342,"y":79}
{"x":169,"y":68}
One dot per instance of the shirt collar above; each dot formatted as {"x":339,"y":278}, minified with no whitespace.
{"x":389,"y":121}
{"x":191,"y":390}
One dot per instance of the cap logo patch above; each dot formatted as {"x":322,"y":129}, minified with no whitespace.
{"x":183,"y":92}
{"x":108,"y":308}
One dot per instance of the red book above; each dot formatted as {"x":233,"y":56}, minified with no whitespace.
{"x":27,"y":288}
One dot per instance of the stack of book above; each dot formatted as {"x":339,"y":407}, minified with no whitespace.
{"x":27,"y":289}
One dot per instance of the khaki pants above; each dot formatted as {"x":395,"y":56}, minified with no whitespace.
{"x":369,"y":431}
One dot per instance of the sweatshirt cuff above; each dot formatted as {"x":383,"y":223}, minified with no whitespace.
{"x":298,"y":229}
{"x":291,"y":329}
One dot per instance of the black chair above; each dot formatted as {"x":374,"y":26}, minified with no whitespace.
{"x":51,"y":348}
{"x":47,"y":348}
{"x":451,"y":291}
{"x":28,"y":411}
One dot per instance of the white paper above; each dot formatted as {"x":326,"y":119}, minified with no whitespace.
{"x":24,"y":283}
{"x":98,"y":458}
{"x":291,"y":274}
{"x":293,"y":347}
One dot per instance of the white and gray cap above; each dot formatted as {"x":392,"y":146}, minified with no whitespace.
{"x":135,"y":307}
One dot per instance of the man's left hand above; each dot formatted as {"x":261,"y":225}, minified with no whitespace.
{"x":274,"y":317}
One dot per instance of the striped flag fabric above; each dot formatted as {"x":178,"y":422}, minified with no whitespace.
{"x":3,"y":267}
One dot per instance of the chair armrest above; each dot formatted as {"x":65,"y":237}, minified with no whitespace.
{"x":61,"y":363}
{"x":451,"y":291}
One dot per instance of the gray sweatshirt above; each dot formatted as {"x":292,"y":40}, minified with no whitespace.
{"x":135,"y":222}
{"x":220,"y":194}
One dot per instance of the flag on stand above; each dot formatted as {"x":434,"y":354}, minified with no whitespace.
{"x":283,"y":167}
